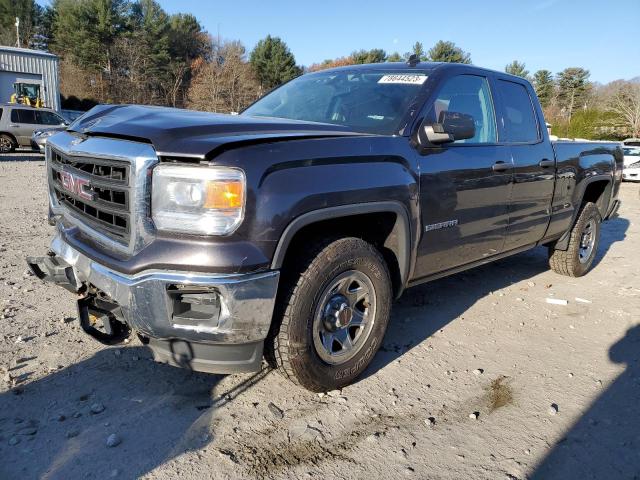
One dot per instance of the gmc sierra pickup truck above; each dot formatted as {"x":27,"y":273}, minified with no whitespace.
{"x":288,"y":230}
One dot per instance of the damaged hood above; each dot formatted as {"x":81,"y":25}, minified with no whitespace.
{"x":192,"y":133}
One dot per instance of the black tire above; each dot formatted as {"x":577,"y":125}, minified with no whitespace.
{"x":574,"y":261}
{"x":290,"y":346}
{"x":7,"y":145}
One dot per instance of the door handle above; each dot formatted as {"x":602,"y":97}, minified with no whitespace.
{"x":13,"y":125}
{"x":500,"y":166}
{"x":545,"y":163}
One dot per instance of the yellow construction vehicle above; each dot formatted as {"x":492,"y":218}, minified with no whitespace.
{"x":27,"y":94}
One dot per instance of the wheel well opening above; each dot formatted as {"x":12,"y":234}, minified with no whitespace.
{"x":379,"y":229}
{"x":10,"y":135}
{"x":595,"y":193}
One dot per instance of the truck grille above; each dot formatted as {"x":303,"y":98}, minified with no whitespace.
{"x":96,"y":190}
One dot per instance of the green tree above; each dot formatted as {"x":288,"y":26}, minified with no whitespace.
{"x":394,"y":57}
{"x":573,"y":87}
{"x":44,"y":28}
{"x":375,"y":55}
{"x":591,"y":124}
{"x":448,"y":52}
{"x":187,"y":40}
{"x":86,"y":31}
{"x":418,"y":50}
{"x":273,"y":62}
{"x":544,"y":86}
{"x":29,"y":13}
{"x":518,"y":69}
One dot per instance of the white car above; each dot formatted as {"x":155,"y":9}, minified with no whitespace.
{"x":631,"y":170}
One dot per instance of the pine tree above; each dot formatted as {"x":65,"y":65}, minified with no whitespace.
{"x":417,"y":50}
{"x":394,"y":57}
{"x":448,"y":52}
{"x":544,"y":86}
{"x":573,"y":86}
{"x":29,"y":13}
{"x":518,"y":69}
{"x":273,"y":62}
{"x":375,"y":55}
{"x":86,"y":31}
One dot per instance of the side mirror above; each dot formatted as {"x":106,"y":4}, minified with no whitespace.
{"x":451,"y":126}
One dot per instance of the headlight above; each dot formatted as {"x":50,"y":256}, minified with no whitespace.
{"x":199,"y":200}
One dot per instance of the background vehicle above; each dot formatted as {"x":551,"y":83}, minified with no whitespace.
{"x":292,"y":226}
{"x":19,"y":122}
{"x":631,"y":163}
{"x":27,"y":94}
{"x":71,"y":115}
{"x":40,"y":137}
{"x":29,"y":77}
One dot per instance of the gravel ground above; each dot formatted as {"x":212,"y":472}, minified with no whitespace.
{"x":479,"y":377}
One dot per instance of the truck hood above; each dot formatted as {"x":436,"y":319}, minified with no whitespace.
{"x":191,"y":133}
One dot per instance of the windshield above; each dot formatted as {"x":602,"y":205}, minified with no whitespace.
{"x":365,"y":101}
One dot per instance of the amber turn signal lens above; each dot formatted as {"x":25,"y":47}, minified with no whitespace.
{"x":224,"y":194}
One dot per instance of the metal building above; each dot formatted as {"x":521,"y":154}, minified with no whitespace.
{"x":30,"y":66}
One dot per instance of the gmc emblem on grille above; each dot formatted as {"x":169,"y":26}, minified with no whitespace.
{"x":77,"y":185}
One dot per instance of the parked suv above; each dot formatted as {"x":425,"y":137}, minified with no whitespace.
{"x":19,"y":122}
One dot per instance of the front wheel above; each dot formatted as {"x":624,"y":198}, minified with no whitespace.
{"x":584,"y":238}
{"x":7,"y":144}
{"x":333,"y":315}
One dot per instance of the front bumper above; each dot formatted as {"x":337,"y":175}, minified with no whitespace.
{"x":39,"y":143}
{"x":229,"y":341}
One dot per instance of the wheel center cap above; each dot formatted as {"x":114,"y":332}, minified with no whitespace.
{"x":344,"y":316}
{"x":338,"y":314}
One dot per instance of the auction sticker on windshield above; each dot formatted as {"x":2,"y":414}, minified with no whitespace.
{"x":406,"y":79}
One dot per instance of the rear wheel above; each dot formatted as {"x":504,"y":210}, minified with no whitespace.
{"x":334,"y":312}
{"x":583,"y":244}
{"x":7,"y":145}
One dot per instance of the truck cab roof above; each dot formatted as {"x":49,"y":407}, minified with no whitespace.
{"x":421,"y":67}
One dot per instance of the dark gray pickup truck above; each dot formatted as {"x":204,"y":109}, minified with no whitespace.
{"x":292,"y":226}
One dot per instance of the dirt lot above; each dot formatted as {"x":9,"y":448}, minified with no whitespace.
{"x":479,"y":377}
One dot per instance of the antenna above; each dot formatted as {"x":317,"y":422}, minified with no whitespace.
{"x":413,"y":60}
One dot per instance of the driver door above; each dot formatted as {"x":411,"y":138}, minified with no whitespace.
{"x":464,"y":185}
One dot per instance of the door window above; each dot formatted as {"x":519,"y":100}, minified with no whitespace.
{"x":469,"y":94}
{"x":21,"y":115}
{"x":49,"y":118}
{"x":520,"y":122}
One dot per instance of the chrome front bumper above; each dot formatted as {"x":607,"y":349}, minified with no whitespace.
{"x":246,"y":300}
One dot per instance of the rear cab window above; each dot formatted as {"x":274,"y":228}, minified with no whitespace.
{"x":519,"y":117}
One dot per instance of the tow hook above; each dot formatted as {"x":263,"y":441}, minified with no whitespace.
{"x":93,"y":313}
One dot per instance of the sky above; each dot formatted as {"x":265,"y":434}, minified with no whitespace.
{"x":601,"y":36}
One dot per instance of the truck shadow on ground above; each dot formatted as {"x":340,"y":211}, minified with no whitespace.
{"x":156,"y":410}
{"x":604,"y":442}
{"x":425,"y":309}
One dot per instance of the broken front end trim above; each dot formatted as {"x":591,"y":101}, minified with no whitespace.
{"x":222,"y":318}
